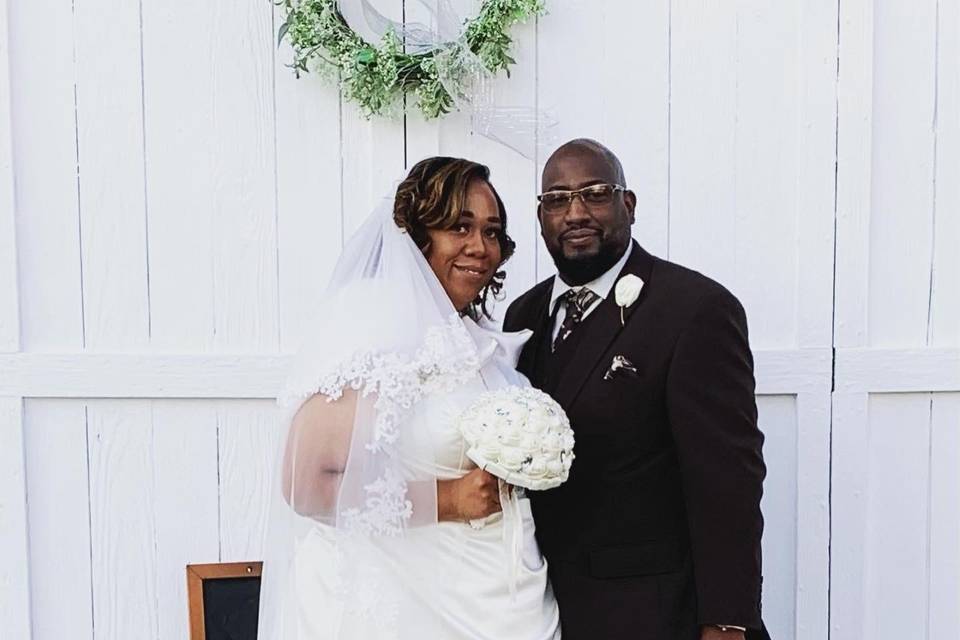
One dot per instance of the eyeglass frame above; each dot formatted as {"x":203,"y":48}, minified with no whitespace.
{"x":578,"y":193}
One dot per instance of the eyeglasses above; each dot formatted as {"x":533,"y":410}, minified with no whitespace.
{"x":594,"y":197}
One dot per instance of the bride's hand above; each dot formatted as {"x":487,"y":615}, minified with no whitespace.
{"x":472,"y":497}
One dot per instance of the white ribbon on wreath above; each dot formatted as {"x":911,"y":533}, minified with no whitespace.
{"x":529,"y":131}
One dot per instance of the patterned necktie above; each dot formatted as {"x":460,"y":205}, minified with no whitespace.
{"x":576,"y":301}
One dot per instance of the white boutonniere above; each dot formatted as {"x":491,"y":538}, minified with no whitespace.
{"x":627,"y":291}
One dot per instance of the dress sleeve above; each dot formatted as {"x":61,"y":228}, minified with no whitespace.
{"x":316,"y":452}
{"x":331,"y":475}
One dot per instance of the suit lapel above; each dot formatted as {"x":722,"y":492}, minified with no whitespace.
{"x":603,"y":329}
{"x":539,"y":323}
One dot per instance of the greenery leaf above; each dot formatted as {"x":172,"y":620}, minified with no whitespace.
{"x":376,"y":77}
{"x":367,"y":55}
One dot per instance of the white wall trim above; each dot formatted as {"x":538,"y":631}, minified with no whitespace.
{"x":898,"y":370}
{"x":81,"y":375}
{"x":792,"y":371}
{"x":779,"y":372}
{"x":45,"y":375}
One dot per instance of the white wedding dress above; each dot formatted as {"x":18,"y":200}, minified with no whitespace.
{"x":353,"y":549}
{"x":456,"y":582}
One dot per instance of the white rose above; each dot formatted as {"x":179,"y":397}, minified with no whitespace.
{"x":489,"y":450}
{"x":537,"y":468}
{"x":513,"y":408}
{"x":510,"y":436}
{"x":554,"y":467}
{"x":529,"y":442}
{"x":497,"y":423}
{"x":512,"y":457}
{"x":553,"y":443}
{"x":628,"y":290}
{"x":539,"y":414}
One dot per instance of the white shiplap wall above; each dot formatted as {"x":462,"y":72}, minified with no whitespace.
{"x":171,"y":199}
{"x":896,"y":443}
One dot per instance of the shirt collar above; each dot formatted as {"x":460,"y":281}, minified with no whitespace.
{"x":601,"y":286}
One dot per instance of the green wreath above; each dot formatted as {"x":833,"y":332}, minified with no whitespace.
{"x":377,"y":77}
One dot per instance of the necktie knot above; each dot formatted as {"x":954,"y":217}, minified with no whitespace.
{"x":576,"y":302}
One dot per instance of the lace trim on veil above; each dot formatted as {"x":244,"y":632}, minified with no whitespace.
{"x":447,"y":359}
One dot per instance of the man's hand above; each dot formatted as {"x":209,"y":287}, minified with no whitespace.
{"x":472,"y":497}
{"x":713,"y":633}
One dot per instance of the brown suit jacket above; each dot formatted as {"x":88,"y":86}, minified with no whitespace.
{"x":658,"y":529}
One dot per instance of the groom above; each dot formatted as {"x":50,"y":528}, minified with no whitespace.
{"x":656,"y":535}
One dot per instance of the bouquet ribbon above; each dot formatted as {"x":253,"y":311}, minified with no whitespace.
{"x":512,"y":533}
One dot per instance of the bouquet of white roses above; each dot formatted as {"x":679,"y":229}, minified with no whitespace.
{"x":521,"y":435}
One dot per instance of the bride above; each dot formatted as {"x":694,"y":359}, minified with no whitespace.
{"x":380,"y":526}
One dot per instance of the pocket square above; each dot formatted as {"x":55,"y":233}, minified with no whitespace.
{"x":618,"y":365}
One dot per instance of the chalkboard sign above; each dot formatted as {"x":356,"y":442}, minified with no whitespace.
{"x":224,"y":600}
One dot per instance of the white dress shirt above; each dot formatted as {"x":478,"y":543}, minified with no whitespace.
{"x":601,"y":286}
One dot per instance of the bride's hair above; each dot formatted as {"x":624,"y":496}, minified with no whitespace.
{"x":432,"y":196}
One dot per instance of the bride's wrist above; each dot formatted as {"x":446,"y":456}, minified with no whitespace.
{"x":446,"y":505}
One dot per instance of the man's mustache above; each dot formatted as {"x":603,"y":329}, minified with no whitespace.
{"x":578,"y":230}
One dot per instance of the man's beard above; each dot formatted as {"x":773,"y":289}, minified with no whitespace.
{"x":581,"y":270}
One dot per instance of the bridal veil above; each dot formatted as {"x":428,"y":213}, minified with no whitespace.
{"x":351,"y":461}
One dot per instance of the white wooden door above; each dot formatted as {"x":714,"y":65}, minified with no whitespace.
{"x":896,"y":428}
